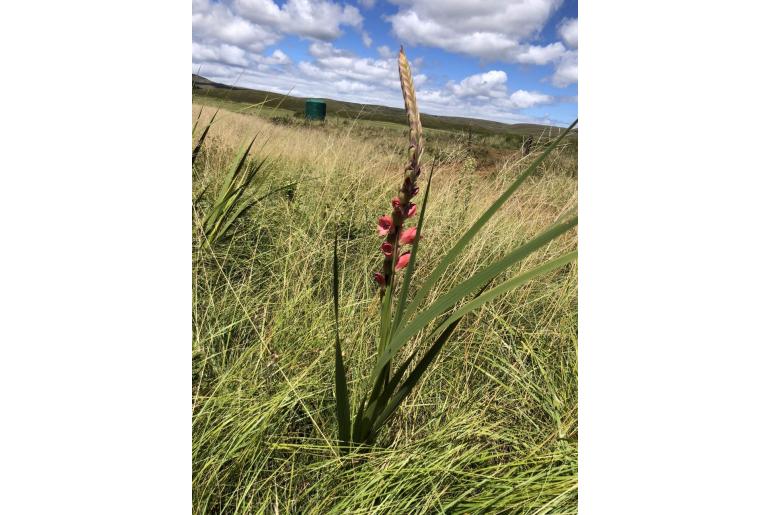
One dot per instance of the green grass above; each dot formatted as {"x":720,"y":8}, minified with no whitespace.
{"x":492,"y":427}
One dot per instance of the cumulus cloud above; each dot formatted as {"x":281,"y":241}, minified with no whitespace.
{"x":237,"y":32}
{"x":445,"y":102}
{"x":568,"y":30}
{"x":521,"y":99}
{"x":367,"y":4}
{"x":320,"y":19}
{"x":215,"y":24}
{"x":492,"y":30}
{"x":541,"y":54}
{"x":367,"y":40}
{"x":481,"y":86}
{"x":235,"y":56}
{"x":336,"y":65}
{"x":484,"y":95}
{"x":488,"y":29}
{"x":566,"y":70}
{"x":320,"y":49}
{"x":223,"y":53}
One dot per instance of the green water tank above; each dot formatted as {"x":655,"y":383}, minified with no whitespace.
{"x":315,"y":109}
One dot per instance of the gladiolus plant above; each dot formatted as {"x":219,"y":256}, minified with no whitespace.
{"x":401,"y":321}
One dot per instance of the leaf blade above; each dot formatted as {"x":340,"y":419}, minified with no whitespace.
{"x":341,"y":387}
{"x":451,"y":322}
{"x":414,"y":377}
{"x":454,"y":252}
{"x":454,"y":295}
{"x":203,"y":135}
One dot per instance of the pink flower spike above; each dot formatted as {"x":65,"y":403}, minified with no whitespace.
{"x":412,"y":210}
{"x":379,"y":278}
{"x":403,"y":260}
{"x":408,"y":236}
{"x":395,"y":203}
{"x":384,"y":223}
{"x":387,"y":249}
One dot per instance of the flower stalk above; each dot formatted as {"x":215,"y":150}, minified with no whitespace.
{"x":403,"y":208}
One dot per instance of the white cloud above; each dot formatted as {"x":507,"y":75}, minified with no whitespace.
{"x":323,"y":49}
{"x":521,"y":99}
{"x":385,"y":52}
{"x":483,"y":85}
{"x":443,"y":102}
{"x":566,"y":70}
{"x":367,"y":40}
{"x":492,"y":30}
{"x":367,"y":4}
{"x":278,"y":57}
{"x":541,"y":54}
{"x":488,"y":29}
{"x":236,"y":32}
{"x":320,"y":19}
{"x":222,"y":53}
{"x":352,"y":86}
{"x":236,"y":56}
{"x":334,"y":65}
{"x":568,"y":30}
{"x":483,"y":95}
{"x":215,"y":24}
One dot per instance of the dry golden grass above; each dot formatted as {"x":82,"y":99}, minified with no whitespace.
{"x":297,"y":145}
{"x":341,"y":152}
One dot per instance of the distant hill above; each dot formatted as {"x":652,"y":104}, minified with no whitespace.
{"x":205,"y":87}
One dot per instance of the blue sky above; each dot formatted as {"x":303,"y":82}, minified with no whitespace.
{"x":508,"y":60}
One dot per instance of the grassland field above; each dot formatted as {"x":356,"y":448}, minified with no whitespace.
{"x":493,"y":426}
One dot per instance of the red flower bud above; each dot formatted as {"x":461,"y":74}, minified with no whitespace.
{"x":403,"y":260}
{"x":384,"y":224}
{"x":408,"y":236}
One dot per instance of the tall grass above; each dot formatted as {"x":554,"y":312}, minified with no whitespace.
{"x":493,"y":429}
